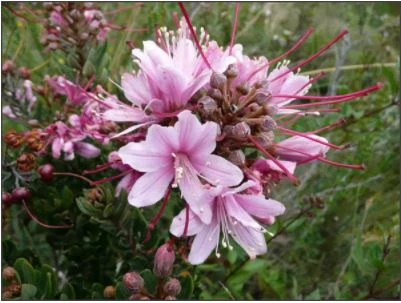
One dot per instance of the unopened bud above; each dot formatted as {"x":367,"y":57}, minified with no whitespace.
{"x":21,"y":193}
{"x":109,"y":292}
{"x":8,"y":66}
{"x":272,"y":110}
{"x":207,"y":104}
{"x":172,"y":287}
{"x":216,"y":94}
{"x":243,"y":89}
{"x":218,"y":80}
{"x":199,"y":94}
{"x":164,"y":261}
{"x":46,"y":172}
{"x":14,"y":288}
{"x":232,"y":71}
{"x":262,"y":97}
{"x":266,"y":139}
{"x":26,"y":162}
{"x":133,"y":282}
{"x":6,"y":198}
{"x":228,"y":130}
{"x":268,"y":124}
{"x":13,"y":139}
{"x":237,"y":157}
{"x":9,"y":273}
{"x":241,"y":130}
{"x":24,"y":72}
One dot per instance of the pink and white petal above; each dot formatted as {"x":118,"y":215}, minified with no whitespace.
{"x":86,"y":150}
{"x":138,"y":156}
{"x":303,"y":145}
{"x":56,"y":148}
{"x":125,"y":115}
{"x":135,"y":88}
{"x":172,"y":83}
{"x":195,"y":225}
{"x":150,"y":187}
{"x":251,"y":240}
{"x":193,"y":87}
{"x":240,"y":188}
{"x":259,"y":206}
{"x":131,"y":129}
{"x":235,"y":211}
{"x":292,"y":86}
{"x":218,"y":170}
{"x":204,"y":243}
{"x":126,"y":183}
{"x":195,"y":139}
{"x":162,"y":140}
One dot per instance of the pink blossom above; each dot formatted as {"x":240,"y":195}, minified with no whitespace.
{"x":73,"y":92}
{"x":179,"y":155}
{"x":58,"y":19}
{"x":233,"y":216}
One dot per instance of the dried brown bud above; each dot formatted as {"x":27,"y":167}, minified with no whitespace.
{"x":6,"y":295}
{"x":232,"y":71}
{"x":133,"y":282}
{"x":207,"y":104}
{"x":164,"y":261}
{"x":109,"y":292}
{"x":218,"y":80}
{"x":26,"y":162}
{"x":172,"y":287}
{"x":13,"y":139}
{"x":237,"y":157}
{"x":9,"y":273}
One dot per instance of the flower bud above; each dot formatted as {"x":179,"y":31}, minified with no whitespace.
{"x":46,"y":172}
{"x":7,"y":295}
{"x":9,"y":273}
{"x":24,"y":72}
{"x":265,"y":139}
{"x":6,"y":198}
{"x":109,"y":292}
{"x":164,"y":261}
{"x":243,"y":89}
{"x":237,"y":157}
{"x":272,"y":110}
{"x":216,"y":94}
{"x":207,"y":104}
{"x":133,"y":282}
{"x":262,"y":97}
{"x":26,"y":162}
{"x":172,"y":287}
{"x":268,"y":124}
{"x":218,"y":80}
{"x":241,"y":130}
{"x":13,"y":139}
{"x":21,"y":193}
{"x":14,"y":288}
{"x":232,"y":71}
{"x":84,"y":36}
{"x":8,"y":66}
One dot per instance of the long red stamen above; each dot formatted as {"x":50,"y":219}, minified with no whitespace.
{"x":314,"y":56}
{"x":335,"y":99}
{"x":99,"y":168}
{"x":175,"y":19}
{"x":40,"y":222}
{"x":156,"y":219}
{"x":104,"y":180}
{"x":175,"y":113}
{"x":235,"y":26}
{"x":89,"y":82}
{"x":291,"y":50}
{"x":278,"y":163}
{"x":186,"y":220}
{"x":73,"y":175}
{"x":191,"y":29}
{"x":330,"y":126}
{"x":295,"y":133}
{"x":350,"y":166}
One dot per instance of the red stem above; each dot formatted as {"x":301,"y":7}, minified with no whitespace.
{"x":186,"y":220}
{"x":99,"y":168}
{"x":235,"y":26}
{"x":191,"y":29}
{"x":75,"y":176}
{"x":40,"y":222}
{"x":104,"y":180}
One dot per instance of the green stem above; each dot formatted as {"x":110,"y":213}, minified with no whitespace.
{"x":349,"y":67}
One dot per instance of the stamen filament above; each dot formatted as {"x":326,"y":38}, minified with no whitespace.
{"x":107,"y":179}
{"x":235,"y":26}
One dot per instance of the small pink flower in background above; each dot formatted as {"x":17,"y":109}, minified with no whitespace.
{"x":181,"y":156}
{"x":233,"y":217}
{"x":26,"y":99}
{"x":73,"y":92}
{"x":58,"y":19}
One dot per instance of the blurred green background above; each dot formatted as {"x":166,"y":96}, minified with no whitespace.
{"x":349,"y":248}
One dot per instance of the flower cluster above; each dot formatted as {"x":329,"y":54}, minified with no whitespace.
{"x":199,"y":111}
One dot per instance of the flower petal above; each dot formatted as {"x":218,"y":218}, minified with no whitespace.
{"x":235,"y":211}
{"x":251,"y":240}
{"x":195,"y":225}
{"x":162,"y":140}
{"x":150,"y":188}
{"x":259,"y":206}
{"x":86,"y":150}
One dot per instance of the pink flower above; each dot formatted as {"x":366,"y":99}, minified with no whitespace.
{"x":58,"y":19}
{"x":179,"y":155}
{"x":299,"y":149}
{"x":73,"y":92}
{"x":233,"y":216}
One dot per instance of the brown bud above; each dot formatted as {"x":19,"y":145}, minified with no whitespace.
{"x":237,"y":157}
{"x":9,"y":273}
{"x":13,"y":139}
{"x":218,"y":80}
{"x":133,"y":282}
{"x":232,"y":71}
{"x":26,"y":162}
{"x":207,"y":104}
{"x":172,"y":287}
{"x":109,"y":292}
{"x":164,"y":261}
{"x":24,"y":72}
{"x":243,"y":89}
{"x":241,"y":130}
{"x":216,"y":94}
{"x":7,"y":295}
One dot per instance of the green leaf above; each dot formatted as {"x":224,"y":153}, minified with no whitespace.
{"x":68,"y":197}
{"x":187,"y":286}
{"x":68,"y":292}
{"x":28,"y":291}
{"x":108,"y":210}
{"x":97,"y":291}
{"x":150,"y":280}
{"x":121,"y":292}
{"x":25,"y":270}
{"x":88,"y":209}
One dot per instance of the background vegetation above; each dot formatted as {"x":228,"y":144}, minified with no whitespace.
{"x":347,"y":248}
